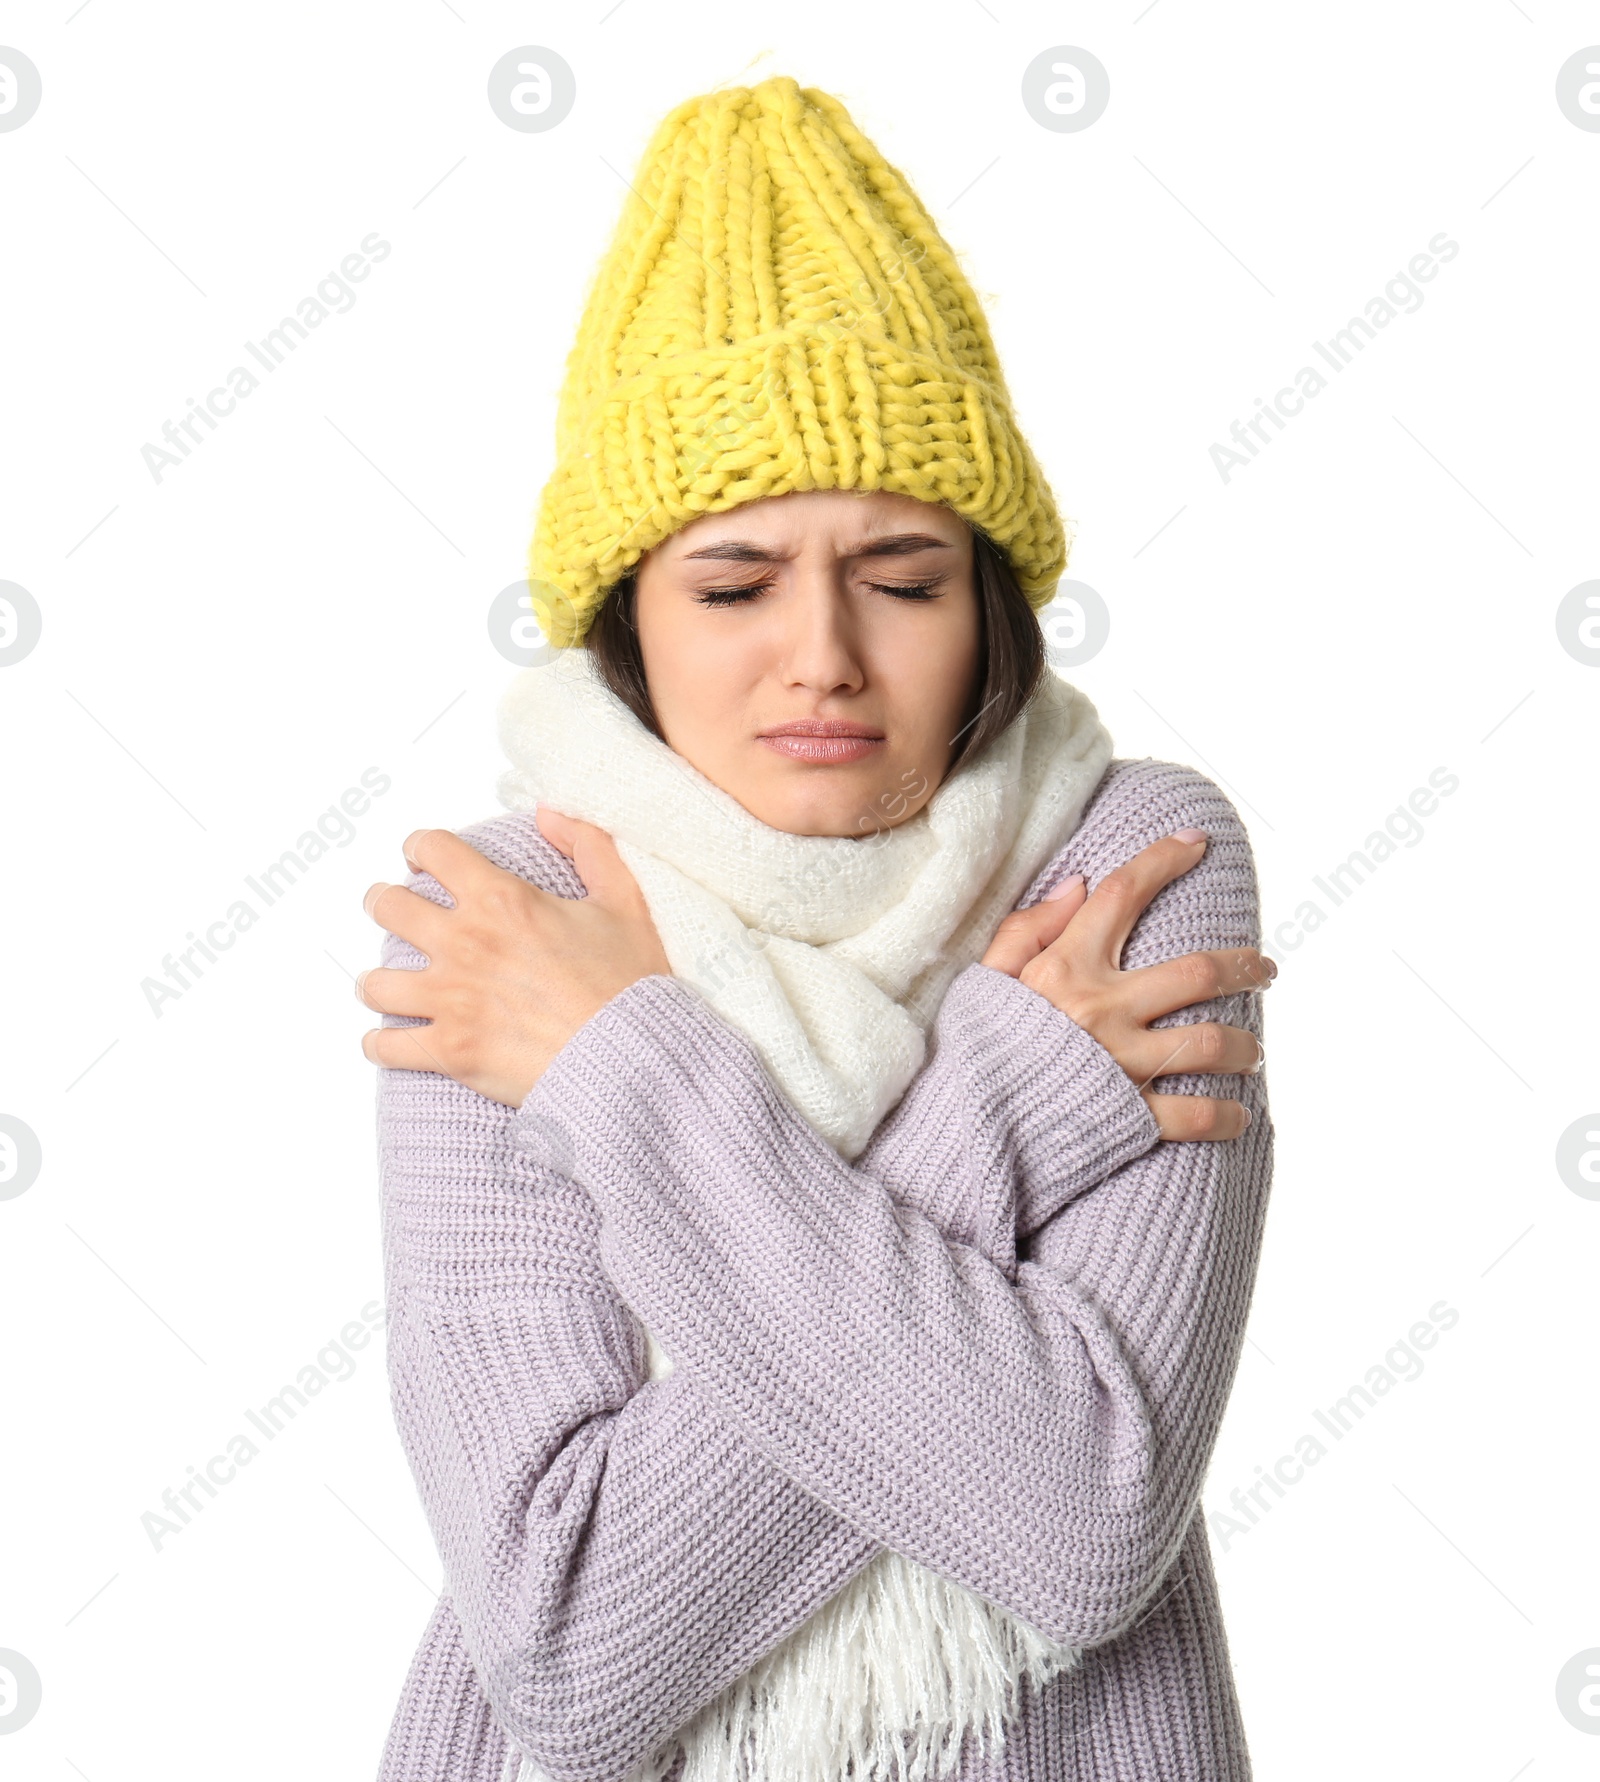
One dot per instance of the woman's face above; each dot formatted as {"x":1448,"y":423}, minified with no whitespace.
{"x":815,"y":654}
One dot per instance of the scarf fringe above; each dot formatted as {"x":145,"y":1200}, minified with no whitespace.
{"x":901,"y":1677}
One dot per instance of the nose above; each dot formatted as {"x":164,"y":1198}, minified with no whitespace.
{"x":821,"y":648}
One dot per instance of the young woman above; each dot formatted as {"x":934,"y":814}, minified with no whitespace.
{"x":809,"y":1319}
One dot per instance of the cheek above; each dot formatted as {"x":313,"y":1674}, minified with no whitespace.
{"x":932,"y":668}
{"x":699,"y":675}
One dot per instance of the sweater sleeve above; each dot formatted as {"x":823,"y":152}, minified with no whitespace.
{"x":1034,"y":1427}
{"x":1016,"y":1111}
{"x":614,"y":1552}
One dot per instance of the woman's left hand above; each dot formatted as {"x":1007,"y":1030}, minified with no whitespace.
{"x":513,"y":972}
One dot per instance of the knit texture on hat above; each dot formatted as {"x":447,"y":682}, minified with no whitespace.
{"x":776,"y":312}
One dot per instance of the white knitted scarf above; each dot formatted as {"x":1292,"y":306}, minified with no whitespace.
{"x":832,"y":954}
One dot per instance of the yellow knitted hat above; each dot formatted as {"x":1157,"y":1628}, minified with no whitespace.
{"x":776,"y":312}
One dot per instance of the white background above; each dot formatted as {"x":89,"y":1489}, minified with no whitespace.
{"x":226,"y":650}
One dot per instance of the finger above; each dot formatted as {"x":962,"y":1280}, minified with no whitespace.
{"x":1173,"y":984}
{"x":594,"y":854}
{"x":1025,"y":934}
{"x":1117,"y":902}
{"x":393,"y":992}
{"x":1198,"y":1117}
{"x":1207,"y":1048}
{"x":400,"y":1048}
{"x":404,"y":913}
{"x":556,"y":828}
{"x":456,"y":864}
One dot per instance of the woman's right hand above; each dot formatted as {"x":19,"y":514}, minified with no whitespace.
{"x":1068,"y":948}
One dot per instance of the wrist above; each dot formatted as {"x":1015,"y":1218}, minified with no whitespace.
{"x":1045,"y":1092}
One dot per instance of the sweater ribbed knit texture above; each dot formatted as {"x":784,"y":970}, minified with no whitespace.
{"x":999,"y":1343}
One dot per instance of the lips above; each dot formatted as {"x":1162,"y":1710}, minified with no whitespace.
{"x":823,"y":741}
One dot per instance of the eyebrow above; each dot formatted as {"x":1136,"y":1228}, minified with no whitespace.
{"x":890,"y":544}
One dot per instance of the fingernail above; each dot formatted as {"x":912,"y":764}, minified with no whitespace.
{"x":1248,"y":1116}
{"x":1189,"y":835}
{"x":1260,"y":1063}
{"x":361,"y":978}
{"x":1272,"y":967}
{"x":1064,"y":889}
{"x":373,"y":893}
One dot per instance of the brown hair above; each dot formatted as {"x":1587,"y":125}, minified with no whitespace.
{"x":1010,"y":651}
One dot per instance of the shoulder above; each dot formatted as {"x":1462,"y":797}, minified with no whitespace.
{"x":1215,"y":904}
{"x":511,"y":841}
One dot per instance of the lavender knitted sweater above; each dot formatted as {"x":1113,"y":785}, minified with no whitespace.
{"x":1000,"y":1343}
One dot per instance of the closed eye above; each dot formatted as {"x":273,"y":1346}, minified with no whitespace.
{"x":747,"y":591}
{"x":731,"y":596}
{"x":907,"y":590}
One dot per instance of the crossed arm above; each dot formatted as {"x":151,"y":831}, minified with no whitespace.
{"x":1017,"y":1297}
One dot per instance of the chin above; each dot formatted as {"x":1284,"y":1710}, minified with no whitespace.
{"x":832,"y":803}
